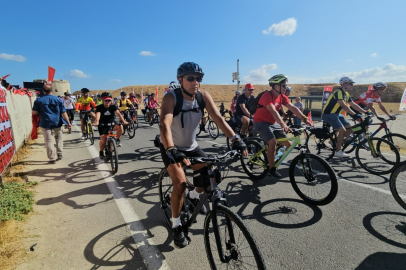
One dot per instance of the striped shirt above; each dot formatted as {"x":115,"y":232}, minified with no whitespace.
{"x":332,"y":105}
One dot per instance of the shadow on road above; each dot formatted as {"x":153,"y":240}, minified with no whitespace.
{"x":383,"y":261}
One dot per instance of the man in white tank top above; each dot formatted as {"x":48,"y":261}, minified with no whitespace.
{"x":178,"y":139}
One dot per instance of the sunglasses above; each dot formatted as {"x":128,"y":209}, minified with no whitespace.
{"x":193,"y":78}
{"x":107,"y":100}
{"x":250,"y":90}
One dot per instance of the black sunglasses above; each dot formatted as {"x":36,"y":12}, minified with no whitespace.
{"x":193,"y":78}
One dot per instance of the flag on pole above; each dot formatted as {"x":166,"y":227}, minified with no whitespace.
{"x":326,"y":93}
{"x":133,"y":90}
{"x":402,"y":106}
{"x":309,"y":117}
{"x":156,"y":94}
{"x":51,"y":74}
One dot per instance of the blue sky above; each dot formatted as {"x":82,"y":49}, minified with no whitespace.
{"x":111,"y":44}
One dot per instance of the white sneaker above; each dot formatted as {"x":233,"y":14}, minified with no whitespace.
{"x":341,"y":154}
{"x":83,"y":137}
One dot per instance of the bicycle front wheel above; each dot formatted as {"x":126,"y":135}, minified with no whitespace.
{"x":383,"y":161}
{"x":131,"y":129}
{"x":397,"y":183}
{"x":313,"y":179}
{"x":236,"y":242}
{"x":90,"y":133}
{"x":399,"y":141}
{"x":255,"y":163}
{"x":213,"y":129}
{"x":165,"y":192}
{"x":113,"y":156}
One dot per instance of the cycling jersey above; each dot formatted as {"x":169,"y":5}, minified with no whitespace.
{"x":85,"y":104}
{"x":152,"y":103}
{"x":134,"y":100}
{"x":332,"y":105}
{"x":367,"y":98}
{"x":123,"y":104}
{"x":99,"y":102}
{"x":263,"y":114}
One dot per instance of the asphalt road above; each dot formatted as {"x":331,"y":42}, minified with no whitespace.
{"x":363,"y":228}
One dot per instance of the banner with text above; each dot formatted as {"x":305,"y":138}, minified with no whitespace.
{"x":326,"y":93}
{"x":7,"y":147}
{"x":402,"y":106}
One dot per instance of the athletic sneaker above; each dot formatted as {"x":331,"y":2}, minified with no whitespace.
{"x":83,"y":137}
{"x":341,"y":154}
{"x":195,"y":202}
{"x":59,"y":157}
{"x":179,"y":238}
{"x":273,"y":172}
{"x":118,"y":143}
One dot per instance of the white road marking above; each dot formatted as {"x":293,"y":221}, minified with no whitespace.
{"x":153,"y":258}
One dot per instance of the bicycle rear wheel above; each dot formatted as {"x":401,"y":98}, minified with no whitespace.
{"x":131,"y":129}
{"x":135,"y":120}
{"x":323,"y":147}
{"x":113,"y":156}
{"x":238,"y":246}
{"x":255,"y":164}
{"x":90,"y":133}
{"x":397,"y":183}
{"x":165,"y":192}
{"x":213,"y":129}
{"x":313,"y":179}
{"x":385,"y":151}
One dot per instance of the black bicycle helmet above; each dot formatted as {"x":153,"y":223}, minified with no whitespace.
{"x":123,"y":93}
{"x":98,"y":95}
{"x":66,"y":94}
{"x":190,"y":68}
{"x":84,"y":90}
{"x":106,"y":95}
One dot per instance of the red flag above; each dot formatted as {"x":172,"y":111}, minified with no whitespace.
{"x":371,"y":87}
{"x":309,"y":117}
{"x":51,"y":74}
{"x":4,"y":77}
{"x":156,"y":94}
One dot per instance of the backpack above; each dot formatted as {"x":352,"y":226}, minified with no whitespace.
{"x":253,"y":105}
{"x":179,"y":103}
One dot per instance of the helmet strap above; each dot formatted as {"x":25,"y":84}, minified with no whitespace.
{"x":186,"y":92}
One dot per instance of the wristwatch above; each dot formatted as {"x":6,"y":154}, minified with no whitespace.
{"x":236,"y":136}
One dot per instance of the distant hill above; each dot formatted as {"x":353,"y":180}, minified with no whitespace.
{"x":224,"y":93}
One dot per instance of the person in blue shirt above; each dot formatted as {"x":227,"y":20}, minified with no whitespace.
{"x":51,"y":110}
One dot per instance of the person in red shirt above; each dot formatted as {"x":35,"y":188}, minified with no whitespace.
{"x":152,"y":106}
{"x":366,"y":100}
{"x":269,"y":123}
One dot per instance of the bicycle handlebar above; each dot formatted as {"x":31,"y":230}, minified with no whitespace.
{"x":214,"y":159}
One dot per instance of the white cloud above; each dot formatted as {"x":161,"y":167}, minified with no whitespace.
{"x":388,"y":73}
{"x":283,"y":28}
{"x":374,"y":54}
{"x":115,"y":81}
{"x":12,"y":57}
{"x":260,"y":76}
{"x":147,"y":53}
{"x":75,"y":73}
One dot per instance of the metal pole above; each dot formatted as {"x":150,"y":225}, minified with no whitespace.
{"x":238,"y":73}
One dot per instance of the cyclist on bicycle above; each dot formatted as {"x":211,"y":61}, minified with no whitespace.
{"x":181,"y":112}
{"x":331,"y":112}
{"x":366,"y":100}
{"x":242,"y":115}
{"x":123,"y":104}
{"x":146,"y":101}
{"x":84,"y":104}
{"x":105,"y":114}
{"x":134,"y":100}
{"x":234,"y":102}
{"x":98,"y":101}
{"x":269,"y":123}
{"x":152,"y":106}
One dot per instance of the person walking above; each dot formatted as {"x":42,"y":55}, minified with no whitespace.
{"x":51,"y":110}
{"x":69,"y":107}
{"x":297,"y":121}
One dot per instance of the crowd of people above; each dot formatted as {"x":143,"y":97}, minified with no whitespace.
{"x":182,"y":108}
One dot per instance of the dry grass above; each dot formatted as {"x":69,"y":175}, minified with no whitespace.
{"x":11,"y":232}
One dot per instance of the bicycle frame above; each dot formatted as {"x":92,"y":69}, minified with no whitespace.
{"x":366,"y":134}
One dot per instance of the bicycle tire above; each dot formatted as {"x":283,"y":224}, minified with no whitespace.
{"x":131,"y":129}
{"x":320,"y":175}
{"x":165,"y":192}
{"x":124,"y":129}
{"x":254,"y":171}
{"x":199,"y":129}
{"x":156,"y":120}
{"x":381,"y":147}
{"x":231,"y":242}
{"x":91,"y":133}
{"x":398,"y":140}
{"x":324,"y":147}
{"x":135,"y":120}
{"x":397,"y":183}
{"x":213,"y":129}
{"x":113,"y":156}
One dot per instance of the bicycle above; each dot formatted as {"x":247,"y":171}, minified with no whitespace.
{"x":134,"y":116}
{"x":89,"y":132}
{"x":397,"y":184}
{"x":220,"y":221}
{"x":212,"y":127}
{"x":306,"y":171}
{"x":131,"y":127}
{"x":155,"y":117}
{"x":110,"y":149}
{"x":376,"y":149}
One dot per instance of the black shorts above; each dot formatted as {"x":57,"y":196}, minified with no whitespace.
{"x":197,"y":152}
{"x":104,"y":130}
